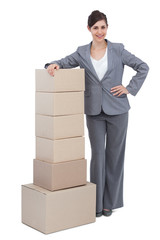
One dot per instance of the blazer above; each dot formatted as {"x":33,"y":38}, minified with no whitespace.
{"x":97,"y":93}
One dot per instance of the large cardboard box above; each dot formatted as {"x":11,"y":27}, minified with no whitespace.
{"x":57,"y":127}
{"x":63,"y":103}
{"x":64,"y":80}
{"x":55,"y":176}
{"x":50,"y":212}
{"x":60,"y":150}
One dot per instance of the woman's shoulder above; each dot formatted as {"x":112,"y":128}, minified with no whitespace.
{"x":82,"y":48}
{"x":116,"y":45}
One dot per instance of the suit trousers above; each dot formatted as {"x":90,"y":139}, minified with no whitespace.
{"x":107,"y":134}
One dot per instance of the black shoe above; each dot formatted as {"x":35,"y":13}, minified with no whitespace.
{"x":107,"y":213}
{"x":99,"y":214}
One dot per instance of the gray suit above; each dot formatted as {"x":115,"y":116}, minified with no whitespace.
{"x":97,"y":93}
{"x":107,"y":118}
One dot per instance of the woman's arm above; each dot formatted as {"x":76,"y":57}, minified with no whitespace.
{"x":139,"y":66}
{"x":69,"y":61}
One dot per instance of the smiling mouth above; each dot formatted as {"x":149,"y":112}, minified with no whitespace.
{"x":99,"y":36}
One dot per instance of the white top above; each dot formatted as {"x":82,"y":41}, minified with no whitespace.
{"x":100,"y":65}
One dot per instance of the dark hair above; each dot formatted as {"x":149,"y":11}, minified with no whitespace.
{"x":96,"y":16}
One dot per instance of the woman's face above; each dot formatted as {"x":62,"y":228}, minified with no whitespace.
{"x":98,"y":30}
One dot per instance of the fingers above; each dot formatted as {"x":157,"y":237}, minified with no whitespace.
{"x":119,"y":93}
{"x":57,"y":67}
{"x":51,"y":69}
{"x":116,"y":88}
{"x":119,"y":90}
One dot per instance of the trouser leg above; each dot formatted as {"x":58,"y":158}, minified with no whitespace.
{"x":96,"y":131}
{"x":114,"y":167}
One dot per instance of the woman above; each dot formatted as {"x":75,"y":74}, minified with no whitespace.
{"x":106,"y":107}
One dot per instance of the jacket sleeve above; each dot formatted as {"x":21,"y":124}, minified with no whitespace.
{"x":139,"y":66}
{"x":69,"y":61}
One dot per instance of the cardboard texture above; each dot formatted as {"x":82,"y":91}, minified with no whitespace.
{"x":58,"y":127}
{"x":64,"y":103}
{"x":60,"y":150}
{"x":60,"y":196}
{"x":55,"y":176}
{"x":64,"y":80}
{"x":50,"y":212}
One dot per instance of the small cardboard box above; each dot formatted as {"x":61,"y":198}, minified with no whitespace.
{"x":64,"y":103}
{"x":60,"y":150}
{"x":58,"y":127}
{"x":50,"y":212}
{"x":55,"y":176}
{"x":64,"y":80}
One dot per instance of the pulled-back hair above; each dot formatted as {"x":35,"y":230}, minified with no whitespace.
{"x":96,"y":16}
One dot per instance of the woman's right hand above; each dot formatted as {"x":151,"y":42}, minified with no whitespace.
{"x":51,"y":68}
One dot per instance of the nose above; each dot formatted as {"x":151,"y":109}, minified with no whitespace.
{"x":99,"y":31}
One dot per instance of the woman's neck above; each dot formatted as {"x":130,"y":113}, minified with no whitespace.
{"x":98,"y":46}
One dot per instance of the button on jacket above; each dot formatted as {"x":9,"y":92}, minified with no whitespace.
{"x":97,"y":92}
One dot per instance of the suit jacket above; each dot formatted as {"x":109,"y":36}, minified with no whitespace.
{"x":97,"y":93}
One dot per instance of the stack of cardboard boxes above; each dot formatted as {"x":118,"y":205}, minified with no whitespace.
{"x":60,"y":196}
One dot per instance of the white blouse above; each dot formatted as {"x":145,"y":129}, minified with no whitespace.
{"x":100,"y":65}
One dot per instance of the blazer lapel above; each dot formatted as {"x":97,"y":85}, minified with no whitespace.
{"x":91,"y":67}
{"x":110,"y":60}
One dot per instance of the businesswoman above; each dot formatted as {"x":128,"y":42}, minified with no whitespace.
{"x":106,"y":107}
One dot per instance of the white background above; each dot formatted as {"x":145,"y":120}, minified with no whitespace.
{"x":39,"y":31}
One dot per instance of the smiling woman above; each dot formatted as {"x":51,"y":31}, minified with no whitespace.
{"x":106,"y":107}
{"x":98,"y":30}
{"x":97,"y":27}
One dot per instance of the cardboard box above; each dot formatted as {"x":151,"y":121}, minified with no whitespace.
{"x":60,"y":150}
{"x":57,"y":127}
{"x":55,"y":176}
{"x":64,"y":103}
{"x":50,"y":212}
{"x":64,"y":80}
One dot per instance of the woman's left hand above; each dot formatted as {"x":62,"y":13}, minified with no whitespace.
{"x":119,"y":90}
